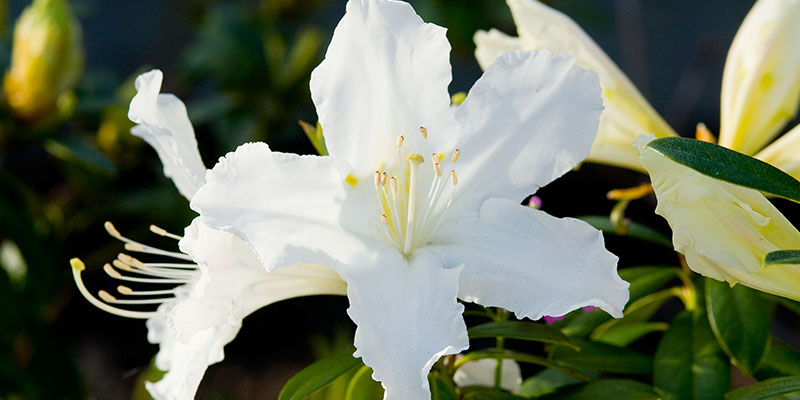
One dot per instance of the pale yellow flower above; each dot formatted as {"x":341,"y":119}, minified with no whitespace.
{"x":723,"y":230}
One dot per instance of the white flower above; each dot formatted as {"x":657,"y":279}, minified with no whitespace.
{"x":482,"y":373}
{"x":627,"y":113}
{"x":219,"y":280}
{"x":388,"y":211}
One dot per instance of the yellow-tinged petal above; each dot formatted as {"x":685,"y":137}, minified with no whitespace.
{"x":627,"y":114}
{"x":724,"y":230}
{"x":761,"y":81}
{"x":784,"y":153}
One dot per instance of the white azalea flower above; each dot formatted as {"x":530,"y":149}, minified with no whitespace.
{"x":388,"y":211}
{"x":219,"y":280}
{"x":482,"y":373}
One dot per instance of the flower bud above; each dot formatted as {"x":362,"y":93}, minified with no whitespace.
{"x":627,"y":114}
{"x":761,"y":81}
{"x":46,"y":59}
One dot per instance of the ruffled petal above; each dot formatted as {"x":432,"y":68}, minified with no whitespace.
{"x":761,"y":80}
{"x":385,"y":74}
{"x":163,"y":123}
{"x":784,"y":153}
{"x":531,"y":263}
{"x":492,"y":44}
{"x":289,"y":208}
{"x":627,"y":113}
{"x":529,"y":119}
{"x":724,"y":230}
{"x":407,"y":317}
{"x":208,"y":315}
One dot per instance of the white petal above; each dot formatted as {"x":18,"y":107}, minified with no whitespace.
{"x":385,"y":74}
{"x":200,"y":324}
{"x":163,"y":123}
{"x":481,"y":373}
{"x":784,"y":153}
{"x":289,"y":208}
{"x":761,"y":80}
{"x":529,"y":119}
{"x":492,"y":44}
{"x":407,"y":317}
{"x":531,"y":263}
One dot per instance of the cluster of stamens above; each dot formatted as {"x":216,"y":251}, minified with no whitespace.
{"x":129,"y":269}
{"x":408,"y":219}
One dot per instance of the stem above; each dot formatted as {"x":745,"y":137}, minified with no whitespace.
{"x":500,"y":316}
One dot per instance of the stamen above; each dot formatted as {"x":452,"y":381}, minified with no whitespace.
{"x":453,"y":177}
{"x":125,"y":290}
{"x":377,"y":178}
{"x":437,"y":170}
{"x":130,"y":292}
{"x":107,"y":297}
{"x":140,"y":248}
{"x":400,"y":140}
{"x":413,"y":161}
{"x":424,"y":132}
{"x":384,"y":220}
{"x":112,"y":272}
{"x":163,"y":232}
{"x":383,"y":178}
{"x":456,"y":154}
{"x":116,"y":275}
{"x":78,"y":267}
{"x":393,"y":185}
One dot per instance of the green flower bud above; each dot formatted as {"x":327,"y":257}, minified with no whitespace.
{"x":46,"y":59}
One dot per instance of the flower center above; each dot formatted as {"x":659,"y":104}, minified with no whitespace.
{"x":129,"y":269}
{"x":413,"y":200}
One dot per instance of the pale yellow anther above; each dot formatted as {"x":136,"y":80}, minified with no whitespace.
{"x":121,"y":265}
{"x":111,"y":230}
{"x":158,"y":231}
{"x":124,"y":290}
{"x":393,"y":184}
{"x":424,"y":131}
{"x":453,"y":177}
{"x":107,"y":297}
{"x":77,"y":264}
{"x":131,"y":261}
{"x":384,"y":220}
{"x":435,"y":158}
{"x":383,"y":178}
{"x":135,"y":247}
{"x":400,"y":140}
{"x":111,"y":271}
{"x":456,"y":153}
{"x":438,"y":170}
{"x":377,"y":178}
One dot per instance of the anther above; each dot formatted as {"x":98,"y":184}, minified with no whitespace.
{"x":111,"y":271}
{"x":377,"y":178}
{"x":383,"y":178}
{"x":438,"y":170}
{"x":384,"y":220}
{"x":124,"y":290}
{"x":456,"y":153}
{"x":131,"y":261}
{"x":135,"y":247}
{"x":78,"y":267}
{"x":111,"y":230}
{"x":435,"y":158}
{"x":163,"y":232}
{"x":453,"y":177}
{"x":121,"y":265}
{"x":400,"y":140}
{"x":393,"y":185}
{"x":107,"y":297}
{"x":424,"y":132}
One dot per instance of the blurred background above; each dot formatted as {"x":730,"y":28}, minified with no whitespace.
{"x":68,"y":162}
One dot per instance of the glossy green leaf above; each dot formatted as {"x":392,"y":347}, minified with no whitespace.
{"x":724,"y":164}
{"x":441,"y":388}
{"x":782,"y":257}
{"x":314,"y":134}
{"x":635,"y":230}
{"x":602,"y":357}
{"x":780,"y":360}
{"x":767,"y":389}
{"x":545,"y":382}
{"x":318,"y":375}
{"x":638,"y":311}
{"x":578,"y":324}
{"x":521,"y":330}
{"x":738,"y":318}
{"x":689,"y":364}
{"x":362,"y":387}
{"x":607,"y":389}
{"x":72,"y":150}
{"x":625,"y":334}
{"x":647,"y":279}
{"x":519,"y":357}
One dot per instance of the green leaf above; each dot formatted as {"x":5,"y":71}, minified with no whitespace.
{"x":318,"y":375}
{"x":519,"y":357}
{"x":362,"y":387}
{"x":638,"y":311}
{"x":489,"y":394}
{"x":71,"y":150}
{"x":608,"y":389}
{"x":532,"y":331}
{"x":766,"y":389}
{"x":646,"y":279}
{"x":602,"y":357}
{"x":545,"y":382}
{"x":689,"y":364}
{"x":738,"y":318}
{"x":780,"y":360}
{"x":727,"y":165}
{"x":635,"y":230}
{"x":314,"y":134}
{"x":578,"y":323}
{"x":441,"y":389}
{"x":625,"y":334}
{"x":782,"y":257}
